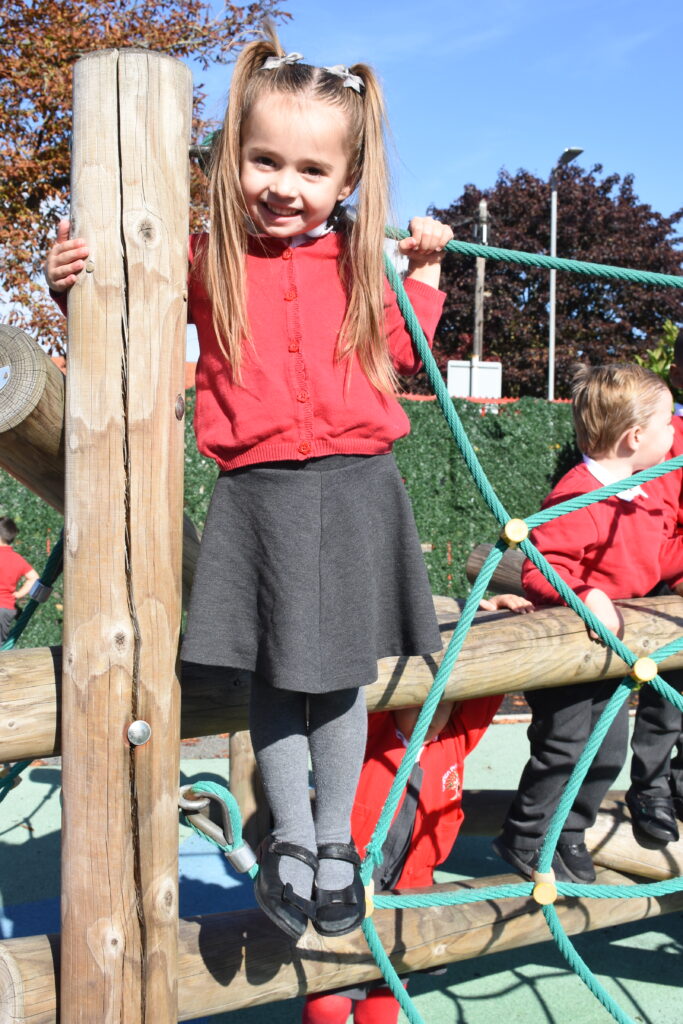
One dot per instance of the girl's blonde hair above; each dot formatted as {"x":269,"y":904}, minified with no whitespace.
{"x":609,"y":400}
{"x":361,"y":264}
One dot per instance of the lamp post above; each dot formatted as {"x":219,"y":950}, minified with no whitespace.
{"x":567,"y":156}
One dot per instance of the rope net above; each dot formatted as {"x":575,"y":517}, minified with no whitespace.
{"x":518,"y":535}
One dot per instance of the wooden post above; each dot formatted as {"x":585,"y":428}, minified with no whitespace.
{"x":507,"y":576}
{"x":247,"y":789}
{"x":124,"y":459}
{"x":32,"y":430}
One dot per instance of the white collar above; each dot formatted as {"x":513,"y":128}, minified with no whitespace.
{"x":322,"y":229}
{"x":678,"y":409}
{"x":604,"y":477}
{"x":317,"y":232}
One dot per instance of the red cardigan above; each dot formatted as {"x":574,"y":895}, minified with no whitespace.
{"x":439,"y":809}
{"x":624,"y":548}
{"x":296,"y":401}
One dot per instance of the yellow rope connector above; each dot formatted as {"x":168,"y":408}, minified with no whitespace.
{"x":643,"y":670}
{"x":370,"y":898}
{"x":514,"y":532}
{"x":544,"y":890}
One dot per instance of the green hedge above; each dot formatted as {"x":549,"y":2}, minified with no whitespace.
{"x":524,"y":447}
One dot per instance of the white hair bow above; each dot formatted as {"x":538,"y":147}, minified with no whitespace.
{"x":271,"y":63}
{"x":350,"y":81}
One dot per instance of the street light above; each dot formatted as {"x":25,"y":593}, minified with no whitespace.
{"x":569,"y":154}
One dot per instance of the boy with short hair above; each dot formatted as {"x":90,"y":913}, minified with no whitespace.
{"x":655,"y":797}
{"x":12,"y":569}
{"x":620,"y":547}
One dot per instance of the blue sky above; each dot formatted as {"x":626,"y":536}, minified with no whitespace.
{"x":472,"y":87}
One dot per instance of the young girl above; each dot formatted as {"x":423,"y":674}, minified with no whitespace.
{"x":310,"y":568}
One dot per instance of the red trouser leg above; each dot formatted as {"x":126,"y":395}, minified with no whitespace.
{"x":380,"y":1007}
{"x":326,"y":1009}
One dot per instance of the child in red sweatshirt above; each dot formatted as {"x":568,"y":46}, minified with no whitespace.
{"x":620,"y":547}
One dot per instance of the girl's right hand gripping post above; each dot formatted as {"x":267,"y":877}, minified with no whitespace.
{"x":65,"y":260}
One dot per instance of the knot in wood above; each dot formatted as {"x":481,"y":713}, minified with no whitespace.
{"x":147,"y":231}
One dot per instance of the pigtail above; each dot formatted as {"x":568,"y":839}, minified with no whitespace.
{"x":361,"y":263}
{"x":223,"y":266}
{"x":363,"y":266}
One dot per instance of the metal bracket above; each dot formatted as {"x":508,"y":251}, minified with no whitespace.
{"x":39,"y":592}
{"x":194,"y":805}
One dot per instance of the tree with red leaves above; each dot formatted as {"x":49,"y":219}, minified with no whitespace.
{"x":601,"y":220}
{"x":40,"y":42}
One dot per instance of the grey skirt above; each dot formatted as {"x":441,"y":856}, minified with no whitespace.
{"x":309,"y":573}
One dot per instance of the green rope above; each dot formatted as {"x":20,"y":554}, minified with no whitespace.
{"x":546,"y":515}
{"x":373,"y":852}
{"x":529,"y":259}
{"x":235,"y":819}
{"x":7,"y":781}
{"x":579,"y":966}
{"x":648,"y":890}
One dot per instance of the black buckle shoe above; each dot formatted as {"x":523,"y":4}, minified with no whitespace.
{"x":286,"y":908}
{"x":653,"y":817}
{"x":339,"y":911}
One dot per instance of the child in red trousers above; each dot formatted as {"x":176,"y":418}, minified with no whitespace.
{"x":427,"y":821}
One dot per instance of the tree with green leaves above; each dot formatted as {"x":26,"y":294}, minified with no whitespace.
{"x":601,"y":220}
{"x":40,"y":42}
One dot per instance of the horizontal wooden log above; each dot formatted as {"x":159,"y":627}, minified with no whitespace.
{"x":613,"y":845}
{"x":31,"y":416}
{"x":507,"y":576}
{"x":233,"y":960}
{"x":502,"y":653}
{"x":32,"y":430}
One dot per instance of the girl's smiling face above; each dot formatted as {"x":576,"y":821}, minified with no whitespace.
{"x":294,"y":164}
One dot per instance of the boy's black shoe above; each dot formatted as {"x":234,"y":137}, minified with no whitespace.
{"x":678,"y":806}
{"x":575,"y":860}
{"x":523,"y":861}
{"x":571,"y":861}
{"x":653,"y":817}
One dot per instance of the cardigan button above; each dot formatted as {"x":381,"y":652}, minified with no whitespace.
{"x":302,"y":396}
{"x":303,"y":448}
{"x":286,"y":254}
{"x":293,"y":346}
{"x":290,"y":295}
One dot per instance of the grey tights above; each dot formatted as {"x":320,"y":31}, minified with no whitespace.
{"x":285,"y":727}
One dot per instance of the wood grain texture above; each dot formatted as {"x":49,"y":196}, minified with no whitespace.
{"x":124,"y":456}
{"x":32,"y":431}
{"x":502,"y":653}
{"x":230,"y":961}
